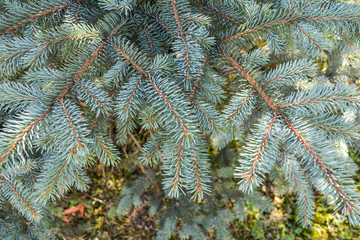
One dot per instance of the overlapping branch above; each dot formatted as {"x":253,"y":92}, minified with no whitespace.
{"x":349,"y":208}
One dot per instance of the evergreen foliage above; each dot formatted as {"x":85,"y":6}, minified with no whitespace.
{"x":79,"y":78}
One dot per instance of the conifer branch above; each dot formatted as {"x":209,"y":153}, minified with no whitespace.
{"x":40,"y":14}
{"x":26,"y":203}
{"x":349,"y":208}
{"x":158,"y":21}
{"x":29,"y":165}
{"x":76,"y":80}
{"x":150,"y":41}
{"x":71,"y":124}
{"x":102,"y":146}
{"x":318,"y":160}
{"x":177,"y":18}
{"x":146,"y":74}
{"x":22,"y":135}
{"x":291,"y":20}
{"x":177,"y":179}
{"x":54,"y":180}
{"x":249,"y":176}
{"x":332,"y":18}
{"x":329,"y":128}
{"x":81,"y":71}
{"x":212,"y":7}
{"x":184,"y":128}
{"x":326,"y":99}
{"x":199,"y":187}
{"x":241,"y":105}
{"x":302,"y":189}
{"x":15,"y":54}
{"x":250,"y":30}
{"x":115,"y":76}
{"x":47,"y":44}
{"x":132,"y":93}
{"x":205,"y":89}
{"x":182,"y":35}
{"x":146,"y":159}
{"x":39,"y":233}
{"x":90,"y":94}
{"x":252,"y":82}
{"x":87,"y":63}
{"x":345,"y":38}
{"x":206,"y":116}
{"x":77,"y":14}
{"x":198,"y":77}
{"x":308,"y":36}
{"x":286,"y":74}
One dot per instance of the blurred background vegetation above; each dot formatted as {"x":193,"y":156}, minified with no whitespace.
{"x":92,"y":215}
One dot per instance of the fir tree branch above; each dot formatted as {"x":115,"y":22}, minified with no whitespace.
{"x":241,"y":105}
{"x":65,"y":73}
{"x":88,"y":62}
{"x":177,"y":18}
{"x":349,"y":208}
{"x":71,"y":124}
{"x":206,"y":116}
{"x":40,"y":14}
{"x":306,"y":199}
{"x":132,"y":93}
{"x":22,"y":135}
{"x":249,"y":176}
{"x":102,"y":146}
{"x":158,"y":21}
{"x":15,"y":54}
{"x":181,"y":123}
{"x":289,"y":20}
{"x":349,"y":99}
{"x":29,"y":165}
{"x":198,"y":77}
{"x":345,"y":38}
{"x":146,"y":74}
{"x":176,"y":179}
{"x":38,"y":232}
{"x":77,"y":13}
{"x":146,"y":159}
{"x":308,"y":36}
{"x":252,"y":82}
{"x":198,"y":190}
{"x":150,"y":41}
{"x":329,"y":128}
{"x":90,"y":94}
{"x":286,"y":74}
{"x":47,"y":44}
{"x":53,"y":181}
{"x":212,"y":8}
{"x":81,"y":71}
{"x":182,"y":35}
{"x":205,"y":89}
{"x":104,"y":150}
{"x":115,"y":76}
{"x":260,"y":27}
{"x":34,"y":213}
{"x":332,"y":18}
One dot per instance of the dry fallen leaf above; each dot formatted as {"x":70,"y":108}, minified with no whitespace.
{"x":78,"y":208}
